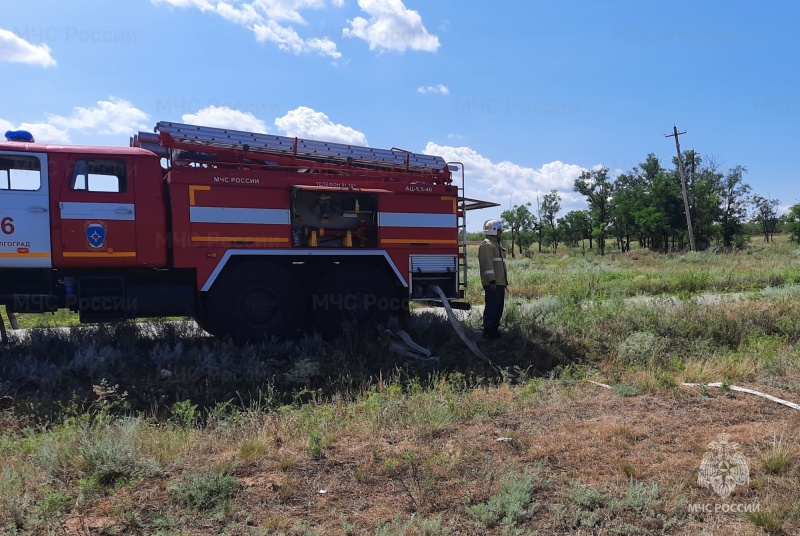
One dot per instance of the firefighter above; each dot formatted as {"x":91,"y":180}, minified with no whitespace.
{"x":494,"y":278}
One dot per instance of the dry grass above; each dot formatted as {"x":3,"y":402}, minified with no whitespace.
{"x":597,"y":463}
{"x":310,"y":438}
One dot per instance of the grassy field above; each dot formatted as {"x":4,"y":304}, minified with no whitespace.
{"x":113,"y":430}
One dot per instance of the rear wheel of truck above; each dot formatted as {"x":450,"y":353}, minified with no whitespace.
{"x":253,"y":302}
{"x":356,"y":296}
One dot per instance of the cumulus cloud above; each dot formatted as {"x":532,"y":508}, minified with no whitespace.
{"x":304,"y":122}
{"x":391,"y":27}
{"x":112,"y":116}
{"x":42,"y":132}
{"x":508,"y":183}
{"x":15,"y":49}
{"x":224,"y":117}
{"x":269,"y":20}
{"x":438,"y":88}
{"x":288,"y":39}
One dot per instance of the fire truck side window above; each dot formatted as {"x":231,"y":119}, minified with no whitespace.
{"x":99,"y":175}
{"x":20,"y":173}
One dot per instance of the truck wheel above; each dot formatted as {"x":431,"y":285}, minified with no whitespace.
{"x":253,"y":302}
{"x":205,"y":320}
{"x":359,"y":295}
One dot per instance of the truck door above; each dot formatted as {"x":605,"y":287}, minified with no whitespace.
{"x":24,"y":216}
{"x":98,"y":216}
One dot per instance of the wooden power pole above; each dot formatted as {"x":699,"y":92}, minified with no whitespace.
{"x":675,"y":134}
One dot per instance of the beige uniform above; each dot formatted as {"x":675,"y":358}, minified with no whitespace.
{"x":491,"y":256}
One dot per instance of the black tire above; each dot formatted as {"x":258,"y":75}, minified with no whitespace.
{"x":355,"y":295}
{"x":253,"y":302}
{"x":204,"y":320}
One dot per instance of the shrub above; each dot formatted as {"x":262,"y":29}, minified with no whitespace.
{"x":513,"y":502}
{"x":204,"y":491}
{"x":111,"y":454}
{"x":643,"y":348}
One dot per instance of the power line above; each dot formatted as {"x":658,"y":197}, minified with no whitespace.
{"x":675,"y":134}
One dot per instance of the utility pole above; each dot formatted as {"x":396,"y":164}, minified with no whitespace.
{"x":675,"y":134}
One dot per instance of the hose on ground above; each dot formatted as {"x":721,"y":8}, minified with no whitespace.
{"x":731,"y":387}
{"x":460,"y":329}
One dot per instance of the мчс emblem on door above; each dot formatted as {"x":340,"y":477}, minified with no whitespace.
{"x":95,"y":234}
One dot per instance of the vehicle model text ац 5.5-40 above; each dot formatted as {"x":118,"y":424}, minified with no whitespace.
{"x":254,"y":235}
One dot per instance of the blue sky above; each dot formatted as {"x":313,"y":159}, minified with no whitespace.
{"x":525,"y":93}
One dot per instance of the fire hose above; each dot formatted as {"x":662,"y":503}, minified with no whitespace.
{"x":731,"y":387}
{"x":409,"y":348}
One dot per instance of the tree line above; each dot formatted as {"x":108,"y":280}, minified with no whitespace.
{"x":645,"y":205}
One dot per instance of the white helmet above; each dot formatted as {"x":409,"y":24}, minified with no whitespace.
{"x":490,"y":227}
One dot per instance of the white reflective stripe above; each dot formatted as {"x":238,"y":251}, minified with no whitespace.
{"x":497,"y":259}
{"x":487,"y":272}
{"x":91,"y":211}
{"x":410,"y":219}
{"x":238,"y":215}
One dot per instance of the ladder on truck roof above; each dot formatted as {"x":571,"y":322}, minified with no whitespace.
{"x":214,"y":140}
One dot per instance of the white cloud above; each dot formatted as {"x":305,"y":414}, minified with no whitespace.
{"x":305,"y":122}
{"x":391,"y":26}
{"x":438,"y":88}
{"x":243,"y":15}
{"x":508,"y":183}
{"x":112,"y":116}
{"x":268,"y":19}
{"x":46,"y":133}
{"x":288,"y":39}
{"x":203,"y":5}
{"x":42,"y":132}
{"x":224,"y":117}
{"x":287,"y":10}
{"x":16,"y":49}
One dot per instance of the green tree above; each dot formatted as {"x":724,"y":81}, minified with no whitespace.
{"x":519,"y":220}
{"x":734,"y":204}
{"x":598,"y":189}
{"x":551,"y":205}
{"x":629,"y":198}
{"x":575,"y":226}
{"x":792,"y":223}
{"x":765,"y":214}
{"x":525,"y":240}
{"x":704,"y":184}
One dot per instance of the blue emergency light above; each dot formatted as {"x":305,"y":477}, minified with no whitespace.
{"x":20,"y":136}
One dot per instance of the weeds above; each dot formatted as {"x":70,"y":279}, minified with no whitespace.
{"x":416,"y":480}
{"x":111,"y":455}
{"x":513,"y":502}
{"x":184,"y":413}
{"x":626,"y":389}
{"x":204,"y":491}
{"x":776,"y":459}
{"x":769,"y":520}
{"x":164,"y":431}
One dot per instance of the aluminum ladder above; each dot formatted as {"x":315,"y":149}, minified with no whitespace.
{"x":461,"y":219}
{"x":303,"y":149}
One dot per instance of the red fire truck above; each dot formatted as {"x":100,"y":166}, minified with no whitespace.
{"x":253,"y":235}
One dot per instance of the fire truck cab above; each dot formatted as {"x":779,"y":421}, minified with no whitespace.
{"x":253,"y":235}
